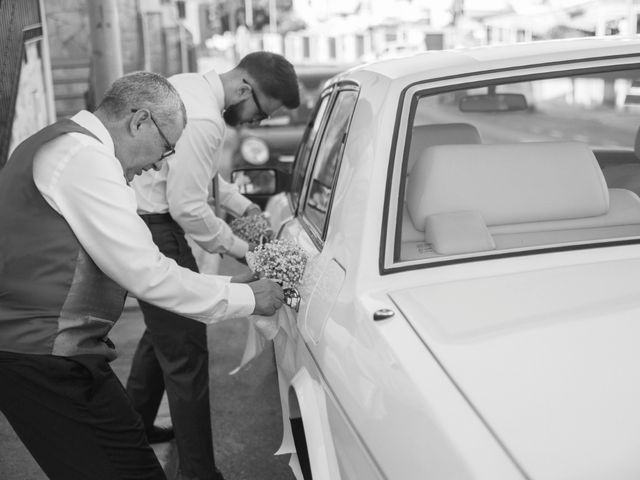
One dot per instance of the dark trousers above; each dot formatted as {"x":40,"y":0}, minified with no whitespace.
{"x":172,"y":354}
{"x":75,"y":418}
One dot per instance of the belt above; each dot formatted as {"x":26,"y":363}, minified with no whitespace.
{"x":150,"y":218}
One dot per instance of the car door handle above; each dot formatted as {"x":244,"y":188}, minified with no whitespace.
{"x":383,"y":314}
{"x":292,"y":298}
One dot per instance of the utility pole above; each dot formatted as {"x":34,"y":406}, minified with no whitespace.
{"x":106,"y":54}
{"x":46,"y":68}
{"x":632,"y":19}
{"x":248,"y":13}
{"x":233,"y":28}
{"x":273,"y":13}
{"x":231,"y":8}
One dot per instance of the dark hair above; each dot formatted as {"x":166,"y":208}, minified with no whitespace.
{"x":143,"y":90}
{"x":275,"y":76}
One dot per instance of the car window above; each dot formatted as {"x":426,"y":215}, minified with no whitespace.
{"x":306,"y":147}
{"x":521,"y":165}
{"x":564,"y":108}
{"x":327,"y":159}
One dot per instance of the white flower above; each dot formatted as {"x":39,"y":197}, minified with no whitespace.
{"x":252,"y":228}
{"x":280,"y":260}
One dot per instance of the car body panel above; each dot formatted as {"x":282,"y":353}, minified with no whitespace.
{"x":319,"y":439}
{"x":543,"y":366}
{"x":398,"y":402}
{"x":463,"y":61}
{"x":517,"y":365}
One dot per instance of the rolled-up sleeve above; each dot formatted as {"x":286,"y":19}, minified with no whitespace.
{"x":231,"y":199}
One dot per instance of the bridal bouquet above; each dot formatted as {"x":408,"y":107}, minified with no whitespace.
{"x":252,"y":229}
{"x":280,"y":260}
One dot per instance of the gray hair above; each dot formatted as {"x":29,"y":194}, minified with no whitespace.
{"x":139,"y":90}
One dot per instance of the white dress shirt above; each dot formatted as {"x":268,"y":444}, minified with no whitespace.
{"x":84,"y":182}
{"x":184,"y":183}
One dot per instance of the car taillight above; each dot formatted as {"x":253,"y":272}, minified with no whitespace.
{"x":254,"y":150}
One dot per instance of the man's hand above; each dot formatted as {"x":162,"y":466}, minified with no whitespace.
{"x":269,"y":296}
{"x":245,"y":277}
{"x":242,"y":260}
{"x":252,"y":209}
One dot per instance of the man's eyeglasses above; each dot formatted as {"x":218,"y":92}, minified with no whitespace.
{"x":168,"y":148}
{"x":262,"y":115}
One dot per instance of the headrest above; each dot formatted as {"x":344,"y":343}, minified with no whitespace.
{"x":423,"y":136}
{"x":508,"y":183}
{"x":457,"y":232}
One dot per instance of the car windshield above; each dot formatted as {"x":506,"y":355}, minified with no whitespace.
{"x":521,"y":165}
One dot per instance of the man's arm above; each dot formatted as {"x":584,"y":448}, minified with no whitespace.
{"x":90,"y":192}
{"x":190,"y":172}
{"x":232,"y":200}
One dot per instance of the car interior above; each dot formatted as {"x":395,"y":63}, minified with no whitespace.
{"x":470,"y":198}
{"x":521,"y":174}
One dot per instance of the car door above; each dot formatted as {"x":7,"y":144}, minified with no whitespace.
{"x":310,"y":201}
{"x":312,"y":196}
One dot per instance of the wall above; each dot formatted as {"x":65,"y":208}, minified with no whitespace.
{"x":149,"y":36}
{"x":20,"y":46}
{"x":131,"y":36}
{"x":30,"y":113}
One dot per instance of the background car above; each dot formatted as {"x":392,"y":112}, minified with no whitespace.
{"x":264,"y":153}
{"x":470,"y":306}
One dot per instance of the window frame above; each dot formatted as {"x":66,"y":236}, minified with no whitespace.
{"x":316,"y":236}
{"x":389,"y":261}
{"x":295,"y":203}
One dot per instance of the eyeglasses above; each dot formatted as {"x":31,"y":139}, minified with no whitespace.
{"x":168,"y":148}
{"x":262,"y":115}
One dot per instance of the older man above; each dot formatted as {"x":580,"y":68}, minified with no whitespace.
{"x":71,"y":245}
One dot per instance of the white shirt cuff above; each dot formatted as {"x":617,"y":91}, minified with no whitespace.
{"x":242,"y":303}
{"x":239,"y":248}
{"x":237,"y":204}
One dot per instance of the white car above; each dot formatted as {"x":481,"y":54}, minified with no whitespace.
{"x":470,"y":308}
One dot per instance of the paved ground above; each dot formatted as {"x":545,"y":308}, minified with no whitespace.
{"x":247,"y":425}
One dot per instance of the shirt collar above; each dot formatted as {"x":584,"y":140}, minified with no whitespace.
{"x":89,"y":121}
{"x":216,"y":86}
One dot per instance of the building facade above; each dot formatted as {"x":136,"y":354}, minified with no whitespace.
{"x":26,"y":93}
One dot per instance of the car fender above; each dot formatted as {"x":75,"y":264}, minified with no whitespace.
{"x":311,"y":401}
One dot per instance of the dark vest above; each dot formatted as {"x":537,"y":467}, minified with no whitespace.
{"x":54,"y":300}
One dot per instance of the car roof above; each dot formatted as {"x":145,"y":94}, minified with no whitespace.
{"x":324,"y":70}
{"x":470,"y":60}
{"x":313,"y":76}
